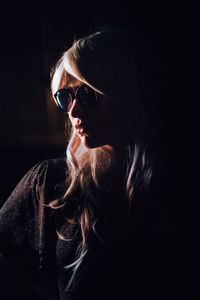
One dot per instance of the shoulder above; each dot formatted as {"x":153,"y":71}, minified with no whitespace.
{"x":27,"y":206}
{"x":49,"y":169}
{"x":45,"y":176}
{"x":39,"y":181}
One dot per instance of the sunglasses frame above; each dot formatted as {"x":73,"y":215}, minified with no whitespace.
{"x":73,"y":94}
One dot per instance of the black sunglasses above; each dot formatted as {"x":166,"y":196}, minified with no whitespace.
{"x":85,"y":95}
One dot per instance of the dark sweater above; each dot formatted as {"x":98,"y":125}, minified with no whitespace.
{"x":130,"y":263}
{"x":27,"y":234}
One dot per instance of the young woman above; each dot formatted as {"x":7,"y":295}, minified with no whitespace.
{"x":93,"y":221}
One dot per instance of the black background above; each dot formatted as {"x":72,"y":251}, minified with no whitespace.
{"x":34,"y":34}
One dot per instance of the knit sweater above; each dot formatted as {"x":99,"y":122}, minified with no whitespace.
{"x":27,"y":234}
{"x":37,"y":244}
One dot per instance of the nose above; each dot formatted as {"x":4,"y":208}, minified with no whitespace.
{"x":76,"y":110}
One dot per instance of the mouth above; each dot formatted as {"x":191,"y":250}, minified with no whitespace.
{"x":83,"y":130}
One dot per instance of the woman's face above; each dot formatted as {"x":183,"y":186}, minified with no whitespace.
{"x":97,"y":126}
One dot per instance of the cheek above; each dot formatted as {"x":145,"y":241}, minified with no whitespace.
{"x":103,"y":111}
{"x":111,"y":118}
{"x":109,"y":123}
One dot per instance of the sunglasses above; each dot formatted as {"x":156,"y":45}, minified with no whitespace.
{"x":85,"y":95}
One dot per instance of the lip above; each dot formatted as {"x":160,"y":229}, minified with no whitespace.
{"x":82,"y":129}
{"x":81,"y":125}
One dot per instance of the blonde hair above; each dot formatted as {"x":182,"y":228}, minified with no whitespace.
{"x":95,"y":61}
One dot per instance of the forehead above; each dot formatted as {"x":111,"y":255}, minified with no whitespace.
{"x":70,"y":81}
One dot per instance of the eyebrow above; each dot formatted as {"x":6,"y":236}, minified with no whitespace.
{"x":75,"y":83}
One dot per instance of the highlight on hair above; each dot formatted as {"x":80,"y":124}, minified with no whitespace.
{"x":97,"y":63}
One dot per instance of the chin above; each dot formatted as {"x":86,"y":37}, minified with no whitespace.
{"x":90,"y":143}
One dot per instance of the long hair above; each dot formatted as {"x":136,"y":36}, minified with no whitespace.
{"x":121,"y":66}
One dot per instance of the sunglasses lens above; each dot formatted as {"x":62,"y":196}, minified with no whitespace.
{"x":64,"y":99}
{"x":86,"y":96}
